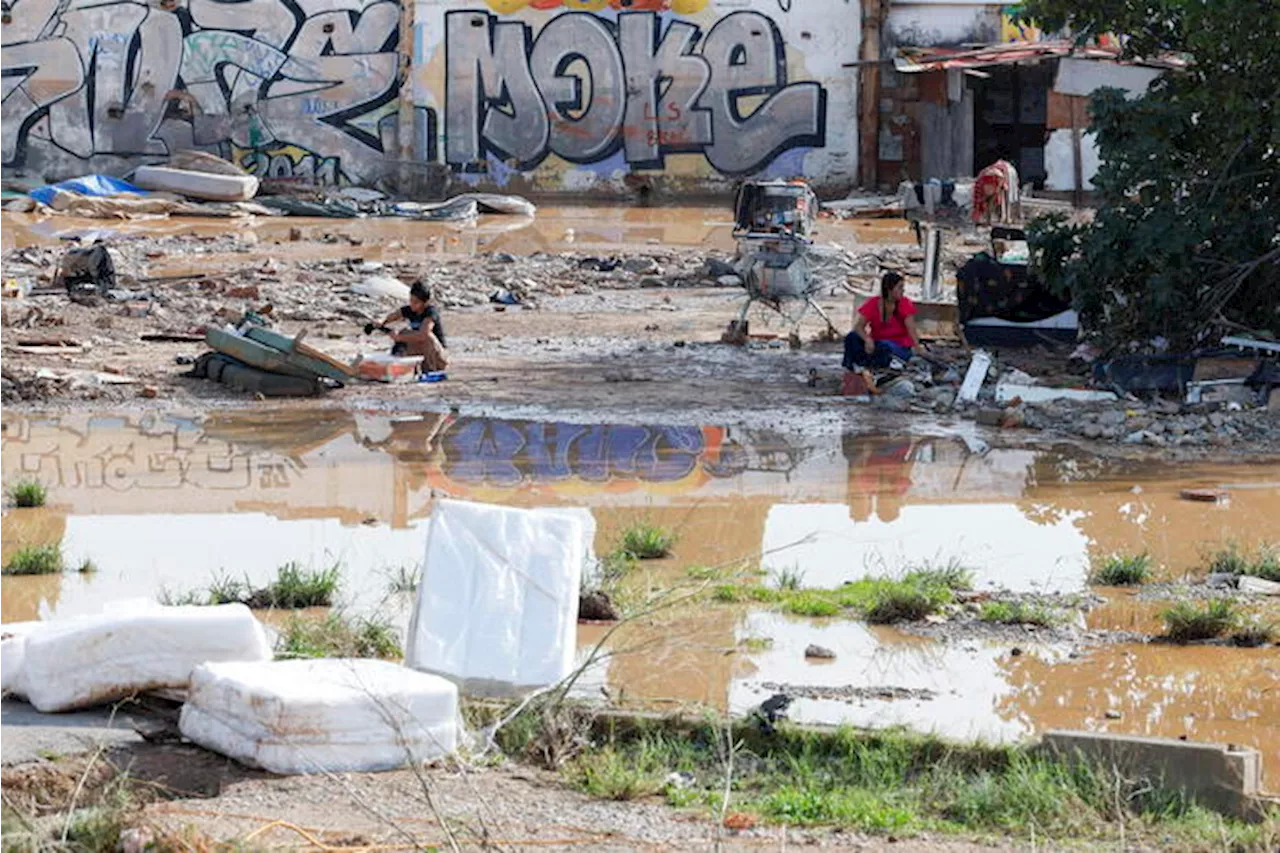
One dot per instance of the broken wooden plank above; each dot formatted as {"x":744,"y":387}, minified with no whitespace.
{"x":172,"y":338}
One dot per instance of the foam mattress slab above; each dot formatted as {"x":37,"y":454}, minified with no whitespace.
{"x":93,"y":660}
{"x":497,"y":606}
{"x":330,"y":715}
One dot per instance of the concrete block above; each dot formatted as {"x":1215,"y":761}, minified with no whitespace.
{"x":1222,"y":777}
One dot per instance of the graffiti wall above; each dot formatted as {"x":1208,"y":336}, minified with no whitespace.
{"x":292,"y":89}
{"x":597,"y":95}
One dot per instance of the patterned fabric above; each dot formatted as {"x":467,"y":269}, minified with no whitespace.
{"x":987,"y":288}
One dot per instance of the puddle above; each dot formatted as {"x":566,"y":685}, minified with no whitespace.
{"x":169,"y":501}
{"x":604,"y":229}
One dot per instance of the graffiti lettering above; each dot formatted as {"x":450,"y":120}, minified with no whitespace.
{"x":585,"y":88}
{"x":122,"y":78}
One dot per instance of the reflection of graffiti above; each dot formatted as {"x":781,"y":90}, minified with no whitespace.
{"x":510,"y":452}
{"x":586,"y":88}
{"x":122,"y":78}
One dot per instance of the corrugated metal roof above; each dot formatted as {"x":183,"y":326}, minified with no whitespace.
{"x":913,"y":60}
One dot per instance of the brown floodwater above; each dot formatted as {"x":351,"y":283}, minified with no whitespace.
{"x":553,"y":229}
{"x":170,"y":501}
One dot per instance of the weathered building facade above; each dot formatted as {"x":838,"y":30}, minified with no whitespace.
{"x":596,"y":97}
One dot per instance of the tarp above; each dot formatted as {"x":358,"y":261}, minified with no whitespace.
{"x":98,"y":186}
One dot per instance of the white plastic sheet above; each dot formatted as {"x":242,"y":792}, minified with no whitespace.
{"x":96,"y":659}
{"x":330,"y":715}
{"x":497,"y":606}
{"x":13,"y":647}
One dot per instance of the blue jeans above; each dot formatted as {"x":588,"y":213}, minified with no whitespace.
{"x":856,"y":355}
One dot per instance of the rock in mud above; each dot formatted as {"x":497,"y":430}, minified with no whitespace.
{"x":641,"y":265}
{"x":597,"y":607}
{"x":989,"y":417}
{"x":819,"y":652}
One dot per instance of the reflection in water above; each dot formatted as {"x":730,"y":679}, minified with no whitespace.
{"x":169,"y":501}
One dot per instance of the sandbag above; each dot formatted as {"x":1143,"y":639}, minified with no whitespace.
{"x":498,"y":601}
{"x":331,"y":715}
{"x":93,"y":660}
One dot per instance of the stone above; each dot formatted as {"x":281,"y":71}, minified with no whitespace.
{"x":1113,"y":715}
{"x":1111,"y":417}
{"x":295,"y":234}
{"x":149,"y":391}
{"x":1135,"y":437}
{"x":1091,"y":431}
{"x":640,"y":265}
{"x":597,"y":607}
{"x":819,"y":652}
{"x":893,"y":403}
{"x":989,"y":417}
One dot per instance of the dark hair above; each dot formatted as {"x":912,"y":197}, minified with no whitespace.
{"x":888,"y":282}
{"x":420,"y":290}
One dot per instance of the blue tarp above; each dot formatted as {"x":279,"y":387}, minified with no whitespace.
{"x":101,"y":186}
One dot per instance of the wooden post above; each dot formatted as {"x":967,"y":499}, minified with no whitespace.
{"x":1077,"y":157}
{"x":873,"y":15}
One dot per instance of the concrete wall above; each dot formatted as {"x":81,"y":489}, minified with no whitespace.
{"x":286,"y":89}
{"x":939,"y":23}
{"x":686,"y":96}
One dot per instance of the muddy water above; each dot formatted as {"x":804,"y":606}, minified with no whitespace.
{"x":170,"y":501}
{"x":554,"y":229}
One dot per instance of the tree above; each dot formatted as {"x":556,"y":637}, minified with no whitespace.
{"x":1186,"y":240}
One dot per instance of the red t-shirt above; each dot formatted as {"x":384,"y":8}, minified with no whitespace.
{"x":895,"y":330}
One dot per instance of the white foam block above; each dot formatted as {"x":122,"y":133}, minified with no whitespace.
{"x":498,"y":600}
{"x":96,"y":659}
{"x":13,"y":646}
{"x":331,"y":715}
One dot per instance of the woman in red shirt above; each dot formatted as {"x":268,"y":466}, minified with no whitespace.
{"x":884,"y":328}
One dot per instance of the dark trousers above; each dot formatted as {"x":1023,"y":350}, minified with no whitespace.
{"x":856,"y":355}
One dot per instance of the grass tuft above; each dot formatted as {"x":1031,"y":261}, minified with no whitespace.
{"x":644,"y":541}
{"x":879,"y":600}
{"x":35,"y":560}
{"x":609,"y":774}
{"x":26,"y":494}
{"x":1254,"y":633}
{"x":791,"y":579}
{"x":405,"y":579}
{"x":87,"y":567}
{"x":905,"y":602}
{"x":336,"y":636}
{"x":1188,"y":621}
{"x":1123,"y":570}
{"x":295,"y":588}
{"x":1230,"y":559}
{"x":1267,"y":564}
{"x":1016,"y":613}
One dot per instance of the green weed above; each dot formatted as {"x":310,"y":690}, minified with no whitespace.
{"x":1016,"y":613}
{"x":404,"y":579}
{"x":878,"y":600}
{"x":336,"y":636}
{"x":612,"y":775}
{"x":35,"y":560}
{"x":1230,"y":559}
{"x":790,"y":579}
{"x":295,"y":588}
{"x":644,"y":541}
{"x":704,"y":573}
{"x":1267,"y":564}
{"x":28,"y":493}
{"x":1253,"y":633}
{"x":756,"y":644}
{"x":87,"y":567}
{"x":1123,"y":570}
{"x":1188,"y":621}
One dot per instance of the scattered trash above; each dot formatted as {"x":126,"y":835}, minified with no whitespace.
{"x":384,"y":367}
{"x":88,"y":269}
{"x":383,"y":286}
{"x":975,"y":376}
{"x":333,"y":715}
{"x":819,"y":652}
{"x":497,"y":605}
{"x":1204,"y":495}
{"x":501,"y":296}
{"x":433,"y":376}
{"x":94,"y":660}
{"x":93,"y":186}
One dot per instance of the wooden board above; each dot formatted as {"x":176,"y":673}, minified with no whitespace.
{"x":299,"y":355}
{"x":256,"y":354}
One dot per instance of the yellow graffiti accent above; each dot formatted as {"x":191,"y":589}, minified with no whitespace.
{"x":688,"y":7}
{"x":586,"y":5}
{"x":507,"y":7}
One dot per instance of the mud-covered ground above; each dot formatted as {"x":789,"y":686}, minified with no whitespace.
{"x":629,"y":332}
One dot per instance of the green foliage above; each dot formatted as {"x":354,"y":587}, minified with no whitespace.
{"x":897,"y":782}
{"x":28,"y":493}
{"x":878,"y":600}
{"x":644,"y":541}
{"x":35,"y":560}
{"x":1184,"y":241}
{"x":1016,"y":613}
{"x":1253,"y":633}
{"x":87,"y":566}
{"x":1123,"y":570}
{"x":789,"y":579}
{"x":1187,"y":621}
{"x":296,"y":587}
{"x":336,"y":636}
{"x":1232,"y":559}
{"x":404,"y":579}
